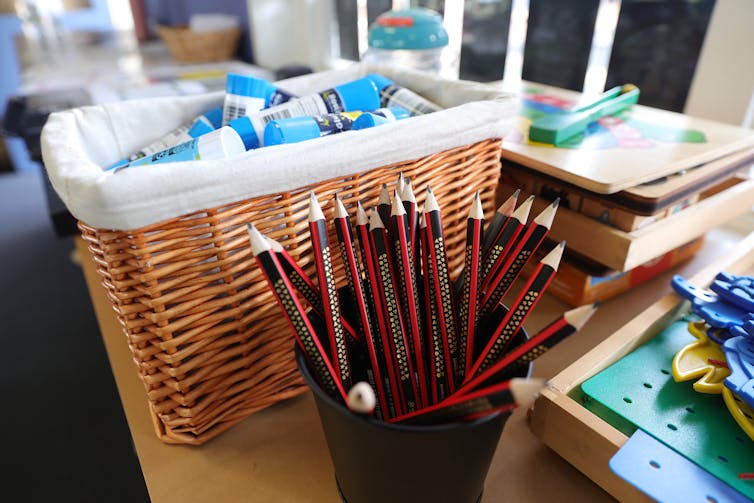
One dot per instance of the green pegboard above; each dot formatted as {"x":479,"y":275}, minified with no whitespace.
{"x":638,"y":390}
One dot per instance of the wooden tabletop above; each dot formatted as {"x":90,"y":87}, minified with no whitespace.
{"x":280,"y":454}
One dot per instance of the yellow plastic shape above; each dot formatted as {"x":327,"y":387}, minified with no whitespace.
{"x":741,"y":412}
{"x":703,"y":360}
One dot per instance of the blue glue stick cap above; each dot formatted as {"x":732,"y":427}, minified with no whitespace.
{"x":399,"y":113}
{"x":361,"y":94}
{"x":245,"y":130}
{"x":215,"y":117}
{"x":367,"y":120}
{"x":380,"y":81}
{"x":292,"y":130}
{"x":247,"y":85}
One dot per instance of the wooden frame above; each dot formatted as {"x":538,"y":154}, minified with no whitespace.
{"x":575,"y":433}
{"x":623,"y":251}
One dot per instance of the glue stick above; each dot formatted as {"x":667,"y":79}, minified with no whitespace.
{"x":246,"y":94}
{"x":297,"y":129}
{"x":361,"y":94}
{"x":217,"y":144}
{"x":391,"y":94}
{"x":205,"y":123}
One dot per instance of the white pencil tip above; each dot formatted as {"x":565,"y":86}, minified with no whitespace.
{"x":375,"y":222}
{"x":276,"y":247}
{"x":476,"y":211}
{"x":397,"y":208}
{"x":509,"y":205}
{"x":384,"y":195}
{"x":578,"y":317}
{"x":553,"y":258}
{"x":548,"y":214}
{"x":430,"y":203}
{"x":522,"y":212}
{"x":315,"y":211}
{"x":340,"y":210}
{"x":525,"y":391}
{"x":361,"y":215}
{"x":258,"y":243}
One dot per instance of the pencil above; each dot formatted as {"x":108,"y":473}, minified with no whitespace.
{"x":502,"y":214}
{"x":441,"y":287}
{"x":557,"y":330}
{"x":383,"y":203}
{"x":503,"y":396}
{"x":537,"y":345}
{"x":505,"y":240}
{"x":405,"y":278}
{"x":382,"y":339}
{"x":500,"y":283}
{"x":391,"y":306}
{"x":353,"y":277}
{"x":328,"y":291}
{"x":304,"y":285}
{"x":437,"y":352}
{"x":412,"y":216}
{"x":467,"y":311}
{"x":519,"y":310}
{"x":303,"y":331}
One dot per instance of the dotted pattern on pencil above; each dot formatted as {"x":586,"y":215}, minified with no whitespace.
{"x":446,"y":294}
{"x":305,"y":336}
{"x":501,"y":343}
{"x":332,"y":295}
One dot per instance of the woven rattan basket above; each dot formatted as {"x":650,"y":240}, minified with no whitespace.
{"x":210,"y":344}
{"x":192,"y":47}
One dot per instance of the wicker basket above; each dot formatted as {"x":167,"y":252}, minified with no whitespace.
{"x":191,"y":47}
{"x":206,"y":334}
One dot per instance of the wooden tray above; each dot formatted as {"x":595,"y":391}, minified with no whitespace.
{"x":582,"y":438}
{"x":638,"y":146}
{"x":622,"y":250}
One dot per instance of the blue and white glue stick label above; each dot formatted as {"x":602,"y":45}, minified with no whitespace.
{"x":199,"y":126}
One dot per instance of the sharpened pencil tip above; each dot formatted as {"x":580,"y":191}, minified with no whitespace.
{"x":276,"y":247}
{"x":258,"y":243}
{"x":397,"y":208}
{"x":522,"y":212}
{"x":476,"y":211}
{"x":375,"y":222}
{"x":408,"y":192}
{"x":361,"y":215}
{"x":525,"y":391}
{"x":340,"y":209}
{"x":553,"y":258}
{"x":548,"y":214}
{"x":430,"y":203}
{"x":578,"y":317}
{"x":384,"y":195}
{"x":315,"y":211}
{"x":509,"y":205}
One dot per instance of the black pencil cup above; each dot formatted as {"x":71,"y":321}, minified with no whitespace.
{"x":378,"y":462}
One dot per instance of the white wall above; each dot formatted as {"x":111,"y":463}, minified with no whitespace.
{"x":723,"y":85}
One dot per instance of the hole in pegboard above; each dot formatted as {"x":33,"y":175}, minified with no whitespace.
{"x":690,"y":410}
{"x":654,"y":464}
{"x":672,"y":427}
{"x":723,"y":459}
{"x":627,"y":400}
{"x":666,"y":372}
{"x":647,"y":385}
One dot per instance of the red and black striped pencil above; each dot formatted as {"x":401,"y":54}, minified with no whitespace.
{"x":441,"y":287}
{"x":353,"y":277}
{"x":533,"y":348}
{"x":405,"y":278}
{"x":303,"y":331}
{"x":304,"y":285}
{"x":500,"y":397}
{"x":412,"y":216}
{"x":328,"y":291}
{"x":519,"y":311}
{"x":495,"y":257}
{"x":392,"y":313}
{"x":493,"y":229}
{"x":436,"y":351}
{"x":468,"y":309}
{"x":497,"y":285}
{"x":381,"y":338}
{"x":383,"y":203}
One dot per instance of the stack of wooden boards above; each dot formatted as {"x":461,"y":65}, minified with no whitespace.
{"x":637,"y":191}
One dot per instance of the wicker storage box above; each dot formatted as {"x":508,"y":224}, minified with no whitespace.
{"x":206,"y":335}
{"x":192,"y":47}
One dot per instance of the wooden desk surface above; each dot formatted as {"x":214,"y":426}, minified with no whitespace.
{"x":280,"y":454}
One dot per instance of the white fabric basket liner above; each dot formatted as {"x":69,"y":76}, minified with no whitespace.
{"x":77,"y":143}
